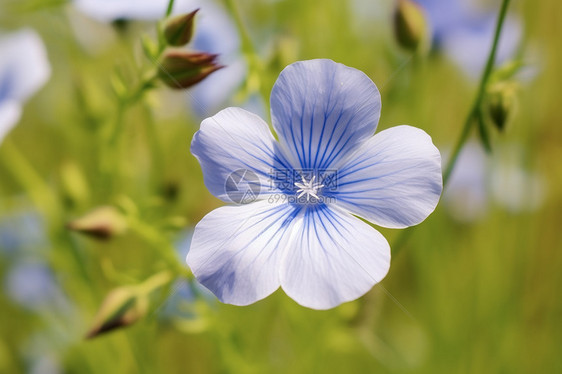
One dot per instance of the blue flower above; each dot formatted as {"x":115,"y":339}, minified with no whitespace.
{"x":480,"y":181}
{"x":301,"y":232}
{"x":33,"y":286}
{"x":21,"y":231}
{"x":109,"y":10}
{"x":465,"y":34}
{"x":24,"y":68}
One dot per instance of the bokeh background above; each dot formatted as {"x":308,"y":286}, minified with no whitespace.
{"x":476,"y":288}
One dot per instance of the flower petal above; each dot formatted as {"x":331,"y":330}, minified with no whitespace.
{"x":10,"y":112}
{"x":395,"y":179}
{"x":236,"y":250}
{"x":236,"y":146}
{"x":467,"y":196}
{"x":322,"y":110}
{"x":469,"y":44}
{"x":332,"y":258}
{"x":23,"y":59}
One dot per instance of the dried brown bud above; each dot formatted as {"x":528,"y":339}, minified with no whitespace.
{"x":126,"y":305}
{"x":182,"y":69}
{"x":102,"y":223}
{"x":122,"y":307}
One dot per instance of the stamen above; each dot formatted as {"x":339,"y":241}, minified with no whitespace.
{"x":308,"y":188}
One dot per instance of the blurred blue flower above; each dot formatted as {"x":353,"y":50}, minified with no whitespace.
{"x":480,"y":180}
{"x":24,"y":69}
{"x":466,"y":196}
{"x":465,"y":33}
{"x":110,"y":10}
{"x":300,"y":233}
{"x":45,"y":364}
{"x":180,"y":304}
{"x":21,"y":230}
{"x":215,"y":33}
{"x":33,"y":286}
{"x":42,"y":352}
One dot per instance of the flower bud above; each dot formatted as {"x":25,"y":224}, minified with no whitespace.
{"x":103,"y":223}
{"x":74,"y":185}
{"x":122,"y":307}
{"x":500,"y":103}
{"x":182,"y":69}
{"x":179,"y":30}
{"x":126,"y":305}
{"x":410,"y":26}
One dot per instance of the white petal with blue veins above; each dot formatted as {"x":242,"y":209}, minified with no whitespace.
{"x":394,"y":180}
{"x":236,"y":250}
{"x":332,"y":258}
{"x":235,"y":139}
{"x":322,"y":110}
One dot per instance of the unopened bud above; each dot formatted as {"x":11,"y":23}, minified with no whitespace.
{"x":103,"y":223}
{"x":178,"y":30}
{"x":410,"y":25}
{"x":182,"y":69}
{"x":122,"y":307}
{"x":500,"y":103}
{"x":74,"y":185}
{"x":126,"y":305}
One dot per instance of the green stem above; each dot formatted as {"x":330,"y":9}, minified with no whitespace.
{"x":157,"y":152}
{"x":161,"y":245}
{"x":170,"y":8}
{"x":473,"y":115}
{"x":255,"y":66}
{"x":26,"y":175}
{"x":247,"y":45}
{"x":43,"y":197}
{"x":156,"y":281}
{"x":111,"y":159}
{"x":476,"y":107}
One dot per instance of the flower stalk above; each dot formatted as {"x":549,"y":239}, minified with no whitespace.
{"x":255,"y":65}
{"x":475,"y":114}
{"x":476,"y":109}
{"x":170,"y":8}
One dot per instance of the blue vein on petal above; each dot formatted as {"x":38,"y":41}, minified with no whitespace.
{"x":309,"y":161}
{"x":303,"y":163}
{"x":326,"y":117}
{"x":273,"y":155}
{"x":290,"y":215}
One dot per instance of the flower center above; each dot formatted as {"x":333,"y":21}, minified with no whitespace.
{"x":310,"y":189}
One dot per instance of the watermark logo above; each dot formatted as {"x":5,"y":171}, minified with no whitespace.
{"x":242,"y":186}
{"x":287,"y":179}
{"x":305,"y":186}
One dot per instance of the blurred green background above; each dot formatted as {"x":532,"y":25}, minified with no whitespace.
{"x":478,"y":296}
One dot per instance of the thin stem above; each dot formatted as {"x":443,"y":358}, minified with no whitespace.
{"x":476,"y":107}
{"x":26,"y":175}
{"x":473,"y":115}
{"x":170,"y":8}
{"x":43,"y":197}
{"x":156,"y":281}
{"x":253,"y":81}
{"x":159,"y":243}
{"x":157,"y":152}
{"x":111,"y":166}
{"x":247,"y":45}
